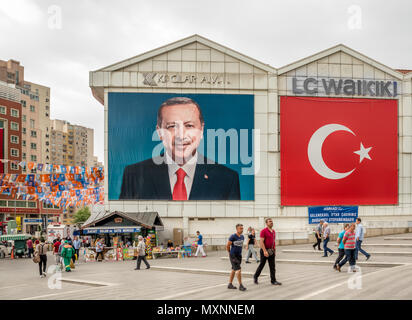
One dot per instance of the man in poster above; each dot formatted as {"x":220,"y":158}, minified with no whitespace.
{"x":180,"y":173}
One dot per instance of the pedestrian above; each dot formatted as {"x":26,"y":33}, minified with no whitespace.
{"x":251,"y":246}
{"x":67,"y":254}
{"x":267,"y":252}
{"x":30,"y":247}
{"x":341,"y":246}
{"x":200,"y":245}
{"x":350,"y":247}
{"x":99,"y":249}
{"x":56,"y":246}
{"x":326,"y":238}
{"x":69,"y":240}
{"x":76,"y":245}
{"x":41,"y":251}
{"x":57,"y":239}
{"x":359,"y":235}
{"x":141,"y":251}
{"x":169,"y":244}
{"x":234,"y":248}
{"x":318,"y":235}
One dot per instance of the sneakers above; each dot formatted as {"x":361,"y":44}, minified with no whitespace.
{"x":332,"y":253}
{"x":367,"y":258}
{"x":137,"y":268}
{"x":276,"y":283}
{"x":255,"y":280}
{"x":338,"y":268}
{"x":231,"y":286}
{"x":147,"y":267}
{"x":247,"y":262}
{"x":242,"y":288}
{"x":45,"y":274}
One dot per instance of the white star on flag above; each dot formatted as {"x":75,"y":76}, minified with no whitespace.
{"x":363,"y":153}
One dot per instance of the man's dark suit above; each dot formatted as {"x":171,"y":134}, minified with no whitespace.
{"x":149,"y":180}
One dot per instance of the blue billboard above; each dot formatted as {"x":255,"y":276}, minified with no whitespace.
{"x":333,"y":214}
{"x":167,"y":146}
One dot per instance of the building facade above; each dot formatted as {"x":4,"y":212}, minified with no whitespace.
{"x":195,"y":66}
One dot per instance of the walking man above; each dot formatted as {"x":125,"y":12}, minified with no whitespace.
{"x":359,"y":234}
{"x":30,"y":247}
{"x":56,"y":247}
{"x":318,"y":235}
{"x":234,"y":248}
{"x":267,"y":252}
{"x":250,"y":246}
{"x":76,"y":245}
{"x":99,"y":250}
{"x":41,"y":251}
{"x":341,"y":246}
{"x":200,"y":245}
{"x":350,"y":247}
{"x":326,"y":234}
{"x":141,"y":251}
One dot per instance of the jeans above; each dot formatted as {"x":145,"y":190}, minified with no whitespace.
{"x":42,"y":263}
{"x":359,"y":248}
{"x":251,"y":251}
{"x":77,"y":251}
{"x":31,"y":250}
{"x":272,"y":268}
{"x":99,"y":254}
{"x":318,"y":241}
{"x":325,"y":247}
{"x":340,"y":257}
{"x":139,"y":261}
{"x":349,"y":256}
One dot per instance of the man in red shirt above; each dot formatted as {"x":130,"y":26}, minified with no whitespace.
{"x":350,"y":247}
{"x":56,"y":247}
{"x":267,"y":252}
{"x":30,"y":247}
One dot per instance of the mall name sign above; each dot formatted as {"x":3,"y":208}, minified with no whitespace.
{"x":373,"y":88}
{"x":154,"y":79}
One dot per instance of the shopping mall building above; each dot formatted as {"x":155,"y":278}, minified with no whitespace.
{"x":329,"y":132}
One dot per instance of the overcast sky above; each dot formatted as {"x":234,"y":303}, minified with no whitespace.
{"x":96,"y":33}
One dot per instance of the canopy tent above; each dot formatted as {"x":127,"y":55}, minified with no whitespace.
{"x":150,"y":220}
{"x":14,"y":237}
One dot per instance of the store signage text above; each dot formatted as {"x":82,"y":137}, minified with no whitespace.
{"x":373,"y":88}
{"x":154,"y":79}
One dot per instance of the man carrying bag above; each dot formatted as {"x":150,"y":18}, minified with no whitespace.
{"x":267,"y":252}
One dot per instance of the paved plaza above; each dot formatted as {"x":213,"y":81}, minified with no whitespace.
{"x":303,"y":273}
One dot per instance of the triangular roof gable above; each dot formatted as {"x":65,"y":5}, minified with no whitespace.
{"x":181,"y":43}
{"x":103,"y":220}
{"x":345,"y":49}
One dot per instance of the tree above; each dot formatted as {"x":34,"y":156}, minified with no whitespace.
{"x":82,"y":215}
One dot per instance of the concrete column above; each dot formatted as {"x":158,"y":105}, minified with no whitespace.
{"x":185,"y":226}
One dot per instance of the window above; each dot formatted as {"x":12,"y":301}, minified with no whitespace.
{"x":14,"y":152}
{"x":24,"y":130}
{"x":33,"y":158}
{"x":33,"y":133}
{"x":15,"y":113}
{"x":31,"y":124}
{"x":33,"y":146}
{"x":31,"y":204}
{"x":14,"y":126}
{"x":32,"y":108}
{"x":23,"y":117}
{"x":23,"y":143}
{"x":14,"y":166}
{"x":2,"y":110}
{"x":14,"y":139}
{"x":23,"y":103}
{"x":3,"y":203}
{"x":24,"y":155}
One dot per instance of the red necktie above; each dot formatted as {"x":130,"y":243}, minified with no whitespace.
{"x":179,"y":190}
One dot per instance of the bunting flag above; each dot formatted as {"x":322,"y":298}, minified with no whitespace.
{"x":63,"y":186}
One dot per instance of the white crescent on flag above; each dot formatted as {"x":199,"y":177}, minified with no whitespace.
{"x":315,"y":151}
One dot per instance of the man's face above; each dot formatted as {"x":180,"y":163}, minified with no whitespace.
{"x":269,"y":223}
{"x":352,"y":227}
{"x":180,"y":131}
{"x":239,"y":229}
{"x":357,"y":221}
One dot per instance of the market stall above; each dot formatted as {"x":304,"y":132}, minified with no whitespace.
{"x":119,"y":232}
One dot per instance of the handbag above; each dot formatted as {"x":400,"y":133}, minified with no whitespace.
{"x":36,"y":258}
{"x":272,"y":251}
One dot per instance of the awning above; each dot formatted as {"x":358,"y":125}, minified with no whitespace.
{"x":14,"y":237}
{"x":145,"y":219}
{"x":101,"y":230}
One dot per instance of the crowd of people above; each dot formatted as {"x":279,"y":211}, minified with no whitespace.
{"x":349,"y":243}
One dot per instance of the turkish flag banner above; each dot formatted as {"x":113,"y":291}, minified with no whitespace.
{"x":337,"y":151}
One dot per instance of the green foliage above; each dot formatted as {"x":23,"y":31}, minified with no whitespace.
{"x":82,"y":215}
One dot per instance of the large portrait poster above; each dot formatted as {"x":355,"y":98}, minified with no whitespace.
{"x":180,"y":146}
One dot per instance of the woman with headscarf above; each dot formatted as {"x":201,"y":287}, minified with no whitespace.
{"x":67,"y":254}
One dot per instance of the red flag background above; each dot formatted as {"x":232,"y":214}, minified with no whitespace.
{"x":374,"y":124}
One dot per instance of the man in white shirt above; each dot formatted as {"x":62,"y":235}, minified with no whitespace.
{"x":359,"y":235}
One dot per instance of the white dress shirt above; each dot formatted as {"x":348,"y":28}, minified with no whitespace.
{"x":189,"y":167}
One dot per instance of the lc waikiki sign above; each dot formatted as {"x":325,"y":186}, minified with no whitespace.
{"x":371,"y":88}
